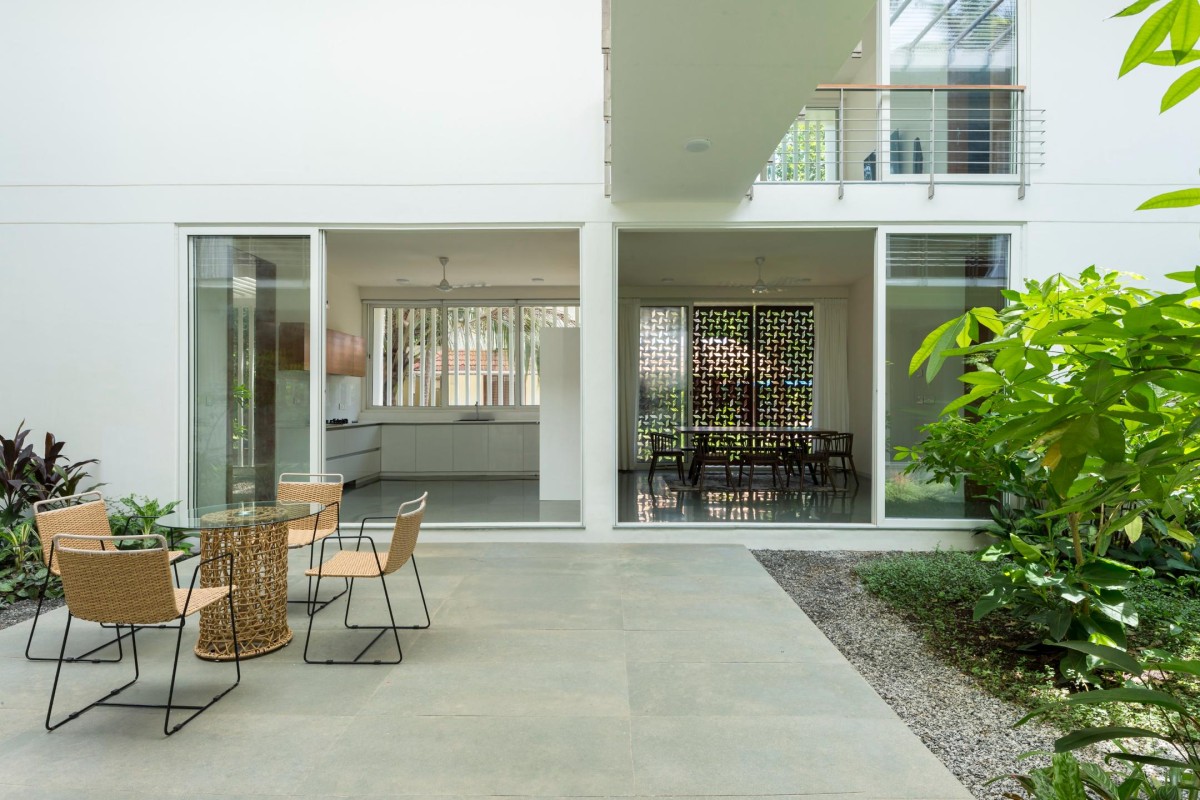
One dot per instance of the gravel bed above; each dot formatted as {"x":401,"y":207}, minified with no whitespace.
{"x":23,"y":610}
{"x":968,"y":729}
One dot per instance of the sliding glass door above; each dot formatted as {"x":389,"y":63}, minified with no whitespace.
{"x":252,"y":361}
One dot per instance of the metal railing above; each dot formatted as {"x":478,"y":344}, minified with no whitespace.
{"x":930,"y":134}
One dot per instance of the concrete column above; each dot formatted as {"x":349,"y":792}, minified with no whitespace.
{"x":598,"y":311}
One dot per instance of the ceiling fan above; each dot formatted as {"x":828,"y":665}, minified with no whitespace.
{"x":760,"y":286}
{"x":445,"y":286}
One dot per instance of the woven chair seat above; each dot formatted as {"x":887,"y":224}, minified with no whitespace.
{"x":351,"y":564}
{"x":303,"y":537}
{"x":201,"y":598}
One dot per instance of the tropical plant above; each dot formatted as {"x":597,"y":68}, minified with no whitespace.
{"x":27,"y":477}
{"x":22,"y":572}
{"x":135,"y":515}
{"x":1176,"y":24}
{"x":1146,"y":685}
{"x":1094,"y":386}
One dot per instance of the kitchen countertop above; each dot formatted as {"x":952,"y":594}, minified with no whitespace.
{"x":436,"y":422}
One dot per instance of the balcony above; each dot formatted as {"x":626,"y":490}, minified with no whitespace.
{"x":912,"y":134}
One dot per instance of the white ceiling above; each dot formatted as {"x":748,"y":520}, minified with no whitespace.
{"x":726,"y":257}
{"x":735,"y":72}
{"x":507,"y":257}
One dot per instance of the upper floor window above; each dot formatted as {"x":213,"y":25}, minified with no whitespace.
{"x":953,"y":42}
{"x":442,"y":354}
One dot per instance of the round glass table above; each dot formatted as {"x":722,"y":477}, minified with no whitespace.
{"x":256,"y":533}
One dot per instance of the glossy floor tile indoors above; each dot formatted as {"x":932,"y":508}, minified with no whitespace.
{"x":550,"y":670}
{"x":669,"y":501}
{"x":467,"y":502}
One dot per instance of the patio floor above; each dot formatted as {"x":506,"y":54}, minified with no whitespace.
{"x":551,"y":670}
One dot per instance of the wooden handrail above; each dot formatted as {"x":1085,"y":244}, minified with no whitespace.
{"x":926,"y":86}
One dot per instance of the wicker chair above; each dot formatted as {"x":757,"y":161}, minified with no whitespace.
{"x":358,"y":563}
{"x":132,"y":588}
{"x":84,"y":514}
{"x":313,"y":487}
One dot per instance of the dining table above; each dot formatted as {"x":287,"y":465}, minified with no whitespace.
{"x":256,"y":533}
{"x":760,"y":436}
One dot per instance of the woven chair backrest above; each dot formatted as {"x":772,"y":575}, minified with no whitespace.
{"x":104,"y":584}
{"x":662,"y":442}
{"x":328,"y":493}
{"x":89,"y":518}
{"x":404,"y":535}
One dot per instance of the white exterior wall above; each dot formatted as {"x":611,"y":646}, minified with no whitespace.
{"x":126,"y":119}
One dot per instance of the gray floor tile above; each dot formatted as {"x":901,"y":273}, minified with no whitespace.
{"x":555,"y":756}
{"x":784,"y":755}
{"x":750,"y":690}
{"x":797,"y":640}
{"x":562,"y":689}
{"x":448,"y":645}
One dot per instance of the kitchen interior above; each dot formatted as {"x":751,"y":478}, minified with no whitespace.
{"x":452,"y":367}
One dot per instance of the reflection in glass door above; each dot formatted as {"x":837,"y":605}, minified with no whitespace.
{"x":249,"y":343}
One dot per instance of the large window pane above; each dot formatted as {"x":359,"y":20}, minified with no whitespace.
{"x":533,"y":320}
{"x":406,"y":356}
{"x":250,"y":393}
{"x":931,"y":279}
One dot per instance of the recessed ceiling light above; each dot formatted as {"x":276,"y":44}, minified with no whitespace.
{"x":667,"y":280}
{"x":401,"y":280}
{"x":698,"y":145}
{"x":538,"y":280}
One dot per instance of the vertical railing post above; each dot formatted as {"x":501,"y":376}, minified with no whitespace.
{"x":932,"y":138}
{"x":1023,"y":145}
{"x":841,"y":153}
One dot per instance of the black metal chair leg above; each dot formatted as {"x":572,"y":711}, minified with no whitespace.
{"x":58,"y":674}
{"x":82,"y":656}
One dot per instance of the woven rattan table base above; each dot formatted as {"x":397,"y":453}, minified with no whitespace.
{"x":260,"y":600}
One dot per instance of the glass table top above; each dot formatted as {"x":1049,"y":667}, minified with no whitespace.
{"x":238,"y":515}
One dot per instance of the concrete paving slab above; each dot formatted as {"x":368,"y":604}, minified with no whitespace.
{"x":551,"y":670}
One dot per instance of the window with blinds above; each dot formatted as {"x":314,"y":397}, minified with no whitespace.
{"x":436,"y":355}
{"x":947,"y":257}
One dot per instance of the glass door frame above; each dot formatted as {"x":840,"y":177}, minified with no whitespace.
{"x":1016,"y":278}
{"x":185,"y":275}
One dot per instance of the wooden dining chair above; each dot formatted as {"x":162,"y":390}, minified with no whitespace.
{"x":763,"y":451}
{"x":841,"y":447}
{"x":665,"y":446}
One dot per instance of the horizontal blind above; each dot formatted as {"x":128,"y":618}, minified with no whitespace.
{"x":947,"y":256}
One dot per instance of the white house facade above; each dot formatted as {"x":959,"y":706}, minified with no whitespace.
{"x":221,"y":225}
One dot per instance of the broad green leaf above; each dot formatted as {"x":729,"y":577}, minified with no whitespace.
{"x":1156,"y":761}
{"x":1107,"y":573}
{"x":1181,"y":535}
{"x":927,"y":346}
{"x":1080,"y":438}
{"x":1133,"y":531}
{"x":1182,"y":88}
{"x":987,"y":604}
{"x":1066,"y":781}
{"x":1182,"y":198}
{"x":982,"y":378}
{"x":1188,"y":666}
{"x":1087,"y":736}
{"x":1027,"y":551}
{"x":967,"y":399}
{"x":1186,"y":29}
{"x":1136,"y":8}
{"x":1152,"y":33}
{"x":1111,"y":442}
{"x":1171,"y":58}
{"x":1110,"y":655}
{"x":1040,"y":360}
{"x":1127,"y":694}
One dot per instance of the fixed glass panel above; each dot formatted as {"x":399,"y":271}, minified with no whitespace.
{"x":931,"y":279}
{"x":250,"y":388}
{"x":480,"y":356}
{"x":406,"y":350}
{"x":534,"y":319}
{"x":662,"y":373}
{"x":953,"y":43}
{"x":808,"y":151}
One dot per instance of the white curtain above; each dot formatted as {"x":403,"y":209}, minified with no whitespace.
{"x":832,"y":398}
{"x":629,"y":328}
